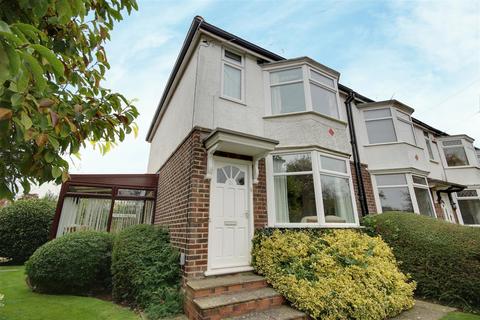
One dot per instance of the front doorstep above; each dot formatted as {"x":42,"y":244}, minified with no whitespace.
{"x":216,"y":272}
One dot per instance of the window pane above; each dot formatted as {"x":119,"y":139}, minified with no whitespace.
{"x":131,"y":212}
{"x":288,"y":98}
{"x":378,"y":113}
{"x":333,"y":164}
{"x":456,"y":156}
{"x":233,"y":56}
{"x":470,"y":211}
{"x":380,"y":131}
{"x":322,"y":79}
{"x":467,"y":193}
{"x":90,"y":189}
{"x":286,"y":75}
{"x":403,"y":115}
{"x":452,"y":143}
{"x":405,"y":132}
{"x":429,"y":148}
{"x":232,"y":82}
{"x":391,"y":179}
{"x":324,"y":101}
{"x":295,"y":199}
{"x":395,"y":199}
{"x":424,"y":202}
{"x":419,"y":180}
{"x":292,"y":163}
{"x":135,"y":193}
{"x":337,"y":200}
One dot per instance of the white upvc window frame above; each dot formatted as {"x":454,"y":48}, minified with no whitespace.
{"x":317,"y":171}
{"x":429,"y":146}
{"x":460,"y":198}
{"x":410,"y":184}
{"x":307,"y":79}
{"x":425,"y":187}
{"x":236,"y":65}
{"x":396,"y":117}
{"x":463,"y":145}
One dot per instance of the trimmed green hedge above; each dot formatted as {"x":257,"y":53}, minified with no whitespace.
{"x":146,"y":271}
{"x":443,"y":258}
{"x":76,"y":263}
{"x":333,"y":274}
{"x":24,"y":226}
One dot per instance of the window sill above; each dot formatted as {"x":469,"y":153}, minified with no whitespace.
{"x":233,"y":100}
{"x":391,"y":144}
{"x":281,"y":115}
{"x":434,"y":161}
{"x":462,"y":167}
{"x":317,"y":226}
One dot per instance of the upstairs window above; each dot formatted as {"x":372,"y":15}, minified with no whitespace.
{"x":380,"y":127}
{"x":478,"y":157}
{"x":287,"y":91}
{"x":388,"y":125}
{"x":303,"y":89}
{"x":429,"y":145}
{"x":233,"y":68}
{"x":455,"y":154}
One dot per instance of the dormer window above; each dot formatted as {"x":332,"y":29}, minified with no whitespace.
{"x":387,"y":125}
{"x":303,"y":88}
{"x":232,"y":82}
{"x":455,"y":154}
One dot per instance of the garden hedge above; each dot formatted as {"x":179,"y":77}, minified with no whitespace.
{"x":24,"y":226}
{"x":333,"y":274}
{"x":76,"y":263}
{"x":146,"y":271}
{"x":443,"y":258}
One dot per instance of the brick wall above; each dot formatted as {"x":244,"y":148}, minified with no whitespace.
{"x":183,"y":201}
{"x":367,"y":181}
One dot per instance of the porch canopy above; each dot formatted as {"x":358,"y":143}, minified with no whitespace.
{"x":104,"y":202}
{"x":238,"y":143}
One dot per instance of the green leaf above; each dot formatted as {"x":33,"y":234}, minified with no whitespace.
{"x":4,"y":65}
{"x":56,"y":64}
{"x":64,"y":11}
{"x":14,"y":59}
{"x":25,"y":120}
{"x":22,"y":79}
{"x":4,"y":27}
{"x":49,"y":157}
{"x":54,"y":142}
{"x":36,"y":71}
{"x":17,"y":99}
{"x":56,"y":172}
{"x":28,"y":30}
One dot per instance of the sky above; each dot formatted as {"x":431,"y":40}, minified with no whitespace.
{"x":425,"y":54}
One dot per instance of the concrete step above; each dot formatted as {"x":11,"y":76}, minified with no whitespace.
{"x":278,"y":313}
{"x":237,"y":303}
{"x":213,"y":286}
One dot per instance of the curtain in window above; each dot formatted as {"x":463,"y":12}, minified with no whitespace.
{"x":83,"y":214}
{"x":337,"y":201}
{"x":281,"y":196}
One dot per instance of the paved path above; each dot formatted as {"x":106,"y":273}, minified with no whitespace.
{"x":425,"y":311}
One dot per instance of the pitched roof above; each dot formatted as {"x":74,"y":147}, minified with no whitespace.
{"x":198,"y":24}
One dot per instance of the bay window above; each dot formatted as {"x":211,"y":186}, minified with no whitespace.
{"x":312,"y":188}
{"x":455,"y":155}
{"x":388,"y":125}
{"x":423,"y":196}
{"x":232,"y":77}
{"x":469,"y":205}
{"x":394,"y":193}
{"x":302,"y":88}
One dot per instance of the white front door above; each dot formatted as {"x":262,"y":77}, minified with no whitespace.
{"x":230,"y":216}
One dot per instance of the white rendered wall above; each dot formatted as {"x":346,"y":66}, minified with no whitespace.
{"x":176,"y":122}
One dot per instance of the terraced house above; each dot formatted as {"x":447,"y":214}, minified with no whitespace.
{"x":243,"y":138}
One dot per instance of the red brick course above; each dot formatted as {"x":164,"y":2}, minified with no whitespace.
{"x":183,"y":201}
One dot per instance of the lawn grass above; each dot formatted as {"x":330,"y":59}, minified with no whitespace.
{"x":23,"y":304}
{"x":461,"y":316}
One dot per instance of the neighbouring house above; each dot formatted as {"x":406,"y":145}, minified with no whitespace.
{"x":243,"y":139}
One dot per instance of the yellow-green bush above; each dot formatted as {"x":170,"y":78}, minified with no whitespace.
{"x":334,"y":274}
